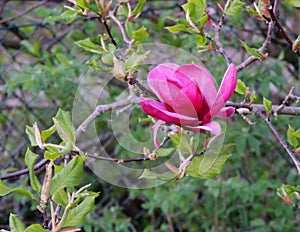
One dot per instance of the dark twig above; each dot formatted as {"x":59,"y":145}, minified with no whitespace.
{"x":109,"y":32}
{"x":117,"y":160}
{"x":121,"y":27}
{"x":279,"y":138}
{"x":281,"y":30}
{"x":24,"y":171}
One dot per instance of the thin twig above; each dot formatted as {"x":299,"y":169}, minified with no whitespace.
{"x":262,"y":49}
{"x":217,"y":41}
{"x":24,"y":171}
{"x":117,"y":160}
{"x":288,"y":110}
{"x":101,"y":109}
{"x":281,"y":141}
{"x":38,"y":4}
{"x":122,"y":29}
{"x":281,"y":30}
{"x":109,"y":32}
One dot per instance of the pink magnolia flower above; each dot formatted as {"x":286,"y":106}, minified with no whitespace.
{"x":188,"y":96}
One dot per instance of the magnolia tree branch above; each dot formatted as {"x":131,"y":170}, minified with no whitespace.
{"x":262,"y":49}
{"x":276,"y":109}
{"x":281,"y":30}
{"x":281,"y":141}
{"x":102,"y":109}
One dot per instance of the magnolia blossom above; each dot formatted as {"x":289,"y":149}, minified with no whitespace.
{"x":188,"y":96}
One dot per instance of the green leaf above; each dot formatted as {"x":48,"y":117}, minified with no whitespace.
{"x":157,"y":176}
{"x":31,"y":135}
{"x":292,"y":139}
{"x":47,"y":133}
{"x":68,"y":177}
{"x":212,"y":161}
{"x":294,"y":3}
{"x":35,"y":228}
{"x":180,"y":143}
{"x":233,"y":7}
{"x":195,"y":9}
{"x":31,"y":47}
{"x":163,"y":152}
{"x":252,"y":51}
{"x":140,"y":35}
{"x":67,"y":17}
{"x":15,"y":224}
{"x":133,"y":63}
{"x":201,"y":40}
{"x":50,"y":155}
{"x":253,"y":97}
{"x":240,"y":87}
{"x":89,"y":46}
{"x":60,"y":197}
{"x":77,"y":215}
{"x":92,"y":5}
{"x":107,"y":59}
{"x":267,"y":104}
{"x":139,"y":7}
{"x":64,"y":126}
{"x":176,"y":28}
{"x":4,"y":190}
{"x":30,"y":160}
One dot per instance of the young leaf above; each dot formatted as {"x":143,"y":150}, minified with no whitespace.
{"x":47,"y":133}
{"x":181,"y":143}
{"x":77,"y":215}
{"x":252,"y":51}
{"x":268,"y":104}
{"x":240,"y":87}
{"x":163,"y":152}
{"x":139,"y":7}
{"x":15,"y":224}
{"x":30,"y":160}
{"x":60,"y":197}
{"x":66,"y":17}
{"x":89,"y":46}
{"x":195,"y":9}
{"x":118,"y":70}
{"x":133,"y":63}
{"x":211,"y":163}
{"x":294,"y":3}
{"x":292,"y":140}
{"x":35,"y":228}
{"x":68,"y":177}
{"x":157,"y":176}
{"x":176,"y":28}
{"x":4,"y":190}
{"x":140,"y":35}
{"x":31,"y":135}
{"x":233,"y":7}
{"x":64,"y":126}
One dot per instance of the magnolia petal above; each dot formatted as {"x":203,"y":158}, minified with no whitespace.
{"x":226,"y":89}
{"x":202,"y":77}
{"x":225,"y":112}
{"x":157,"y":80}
{"x":155,"y":130}
{"x":160,"y":111}
{"x":213,"y":127}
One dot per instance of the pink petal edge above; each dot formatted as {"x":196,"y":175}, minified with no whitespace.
{"x":226,"y":89}
{"x":213,"y":127}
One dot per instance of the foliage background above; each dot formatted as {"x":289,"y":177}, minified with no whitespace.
{"x":40,"y":69}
